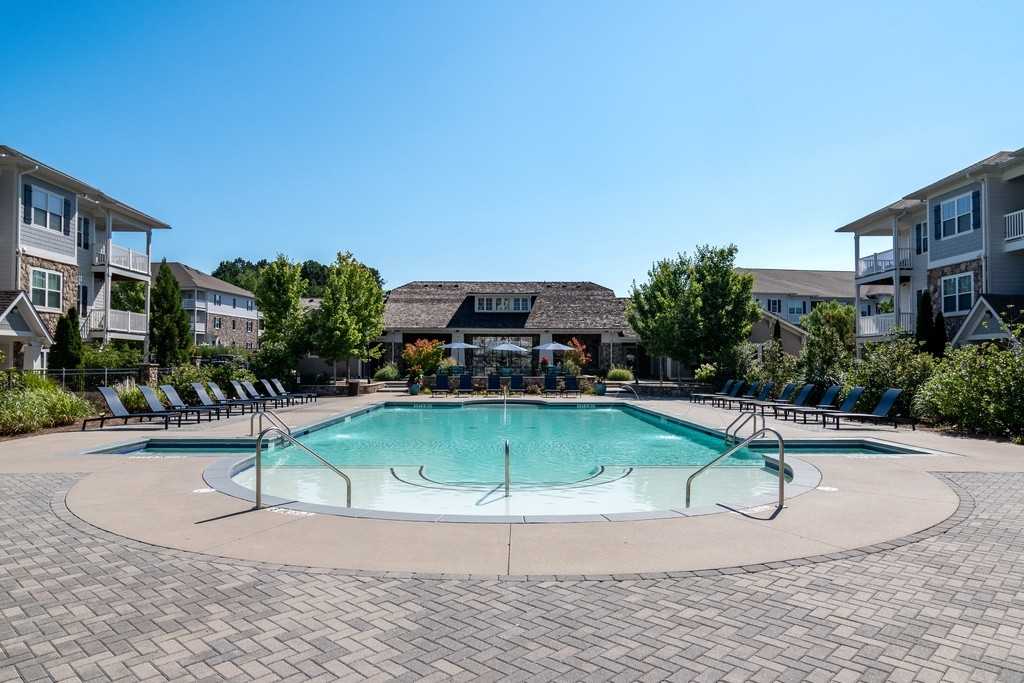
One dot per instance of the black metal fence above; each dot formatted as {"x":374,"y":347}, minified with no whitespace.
{"x":79,"y":380}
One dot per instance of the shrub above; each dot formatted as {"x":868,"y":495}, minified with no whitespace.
{"x":570,"y":366}
{"x":774,"y":365}
{"x":66,"y":351}
{"x":897,"y":362}
{"x":423,"y":357}
{"x":617,"y":374}
{"x":578,"y":355}
{"x":131,"y":397}
{"x":387,"y":373}
{"x":110,"y":356}
{"x":978,"y":388}
{"x":534,"y":390}
{"x":825,"y":358}
{"x":38,"y":404}
{"x":706,"y":372}
{"x":182,"y":377}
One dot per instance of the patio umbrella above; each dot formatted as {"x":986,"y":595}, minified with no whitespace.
{"x":460,"y":346}
{"x":552,"y":346}
{"x":509,"y":348}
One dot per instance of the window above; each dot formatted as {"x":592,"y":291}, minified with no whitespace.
{"x":248,"y":304}
{"x":774,"y":305}
{"x":234,"y":302}
{"x":957,"y":293}
{"x":47,"y":286}
{"x":49,"y":209}
{"x":234,"y":325}
{"x":248,"y":326}
{"x":503,"y":304}
{"x":84,"y":228}
{"x":83,"y":300}
{"x":921,"y":238}
{"x":217,"y":323}
{"x":216,"y":299}
{"x":956,"y":215}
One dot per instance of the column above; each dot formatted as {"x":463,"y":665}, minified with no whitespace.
{"x":106,"y":279}
{"x":149,"y":286}
{"x":545,"y":338}
{"x":896,"y":271}
{"x":856,"y":292}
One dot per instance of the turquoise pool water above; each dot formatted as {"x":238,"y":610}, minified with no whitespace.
{"x":548,"y":445}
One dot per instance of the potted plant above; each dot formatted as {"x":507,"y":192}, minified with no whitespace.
{"x":415,"y":380}
{"x":599,"y":386}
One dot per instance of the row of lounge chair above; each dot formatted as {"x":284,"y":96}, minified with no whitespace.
{"x":443,"y":386}
{"x":248,"y":397}
{"x":793,"y":402}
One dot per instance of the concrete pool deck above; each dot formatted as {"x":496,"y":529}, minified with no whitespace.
{"x":861,"y":504}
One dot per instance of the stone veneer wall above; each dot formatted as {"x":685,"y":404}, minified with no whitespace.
{"x":70,"y":294}
{"x":227,"y":335}
{"x":935,"y":276}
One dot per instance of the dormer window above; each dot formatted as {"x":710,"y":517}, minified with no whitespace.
{"x":503,"y":304}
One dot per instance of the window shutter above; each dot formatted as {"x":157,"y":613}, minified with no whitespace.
{"x":917,"y":239}
{"x":67,"y":216}
{"x":27,"y":201}
{"x":86,"y":225}
{"x":937,"y":221}
{"x":975,"y":210}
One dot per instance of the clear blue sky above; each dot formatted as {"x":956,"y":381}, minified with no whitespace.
{"x":510,"y":140}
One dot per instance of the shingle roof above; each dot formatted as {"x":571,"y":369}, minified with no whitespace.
{"x":988,"y":163}
{"x":7,"y":297}
{"x":834,"y":284}
{"x":190,"y":278}
{"x":556,"y":305}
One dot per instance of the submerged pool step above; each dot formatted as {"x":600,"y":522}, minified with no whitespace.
{"x":421,"y":477}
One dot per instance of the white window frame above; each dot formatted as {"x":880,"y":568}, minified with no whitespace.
{"x":518,"y":303}
{"x":957,"y":292}
{"x":47,"y":214}
{"x":773,"y":306}
{"x":59,"y":308}
{"x":956,"y":215}
{"x":216,"y":299}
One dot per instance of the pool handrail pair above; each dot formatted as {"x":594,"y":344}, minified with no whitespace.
{"x":271,"y":417}
{"x":732,"y":432}
{"x":291,"y":439}
{"x":725,"y":454}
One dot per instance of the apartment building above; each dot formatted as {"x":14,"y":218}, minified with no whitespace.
{"x":58,"y":247}
{"x":221,"y":314}
{"x":961,"y":238}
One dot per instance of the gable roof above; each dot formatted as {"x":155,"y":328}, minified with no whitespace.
{"x":17,"y":299}
{"x":190,"y":278}
{"x":556,"y":305}
{"x":1007,"y":309}
{"x":829,"y":284}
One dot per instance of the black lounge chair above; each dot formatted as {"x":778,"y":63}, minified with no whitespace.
{"x":441,"y":385}
{"x":155,"y":406}
{"x":465,"y":384}
{"x":241,"y":388}
{"x":305,"y":395}
{"x":762,"y":395}
{"x":287,"y":398}
{"x":785,"y":396}
{"x":827,"y":402}
{"x":750,"y":393}
{"x":515,"y":385}
{"x":551,"y":384}
{"x":700,"y":397}
{"x":119,"y":412}
{"x":177,"y":404}
{"x":572,"y":385}
{"x":799,"y":400}
{"x":493,"y":384}
{"x":881,"y":413}
{"x":204,"y":399}
{"x":224,"y":400}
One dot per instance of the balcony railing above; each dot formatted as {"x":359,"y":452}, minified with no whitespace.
{"x":119,"y":321}
{"x":883,"y":261}
{"x":125,"y":259}
{"x":1014,"y":223}
{"x":883,"y":323}
{"x":198,"y":328}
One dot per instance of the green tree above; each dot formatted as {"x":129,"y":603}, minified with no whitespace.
{"x":170,"y":336}
{"x":277,"y":296}
{"x":315,"y":274}
{"x":66,"y":351}
{"x":241,"y":272}
{"x":774,"y":365}
{"x":662,"y":310}
{"x":937,"y":340}
{"x":128,"y":295}
{"x":777,"y":331}
{"x":351,"y":313}
{"x":896,"y":362}
{"x":825,"y":358}
{"x":923,"y":327}
{"x":835,"y":316}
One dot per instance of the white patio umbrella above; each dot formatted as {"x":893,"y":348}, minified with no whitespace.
{"x":509,"y":348}
{"x":552,"y":346}
{"x":460,"y":346}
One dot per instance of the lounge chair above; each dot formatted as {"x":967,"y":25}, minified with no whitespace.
{"x":465,"y":384}
{"x":800,"y":399}
{"x":155,"y":406}
{"x":515,"y":385}
{"x":119,"y":412}
{"x":762,"y":395}
{"x":224,"y":400}
{"x":247,"y":390}
{"x":306,"y":395}
{"x":827,"y":402}
{"x":750,"y":393}
{"x":551,"y":384}
{"x":177,"y":404}
{"x":572,"y":385}
{"x":700,"y":397}
{"x":881,"y":413}
{"x":785,"y":396}
{"x":493,"y":384}
{"x":272,"y":391}
{"x":204,"y":399}
{"x":441,"y":385}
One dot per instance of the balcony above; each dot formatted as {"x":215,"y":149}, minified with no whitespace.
{"x":1014,"y":226}
{"x":120,"y":322}
{"x":883,"y":324}
{"x":198,"y":328}
{"x":883,"y":262}
{"x":124,"y":259}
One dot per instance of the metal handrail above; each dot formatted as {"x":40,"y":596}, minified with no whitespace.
{"x":271,"y":417}
{"x":727,"y":453}
{"x":745,"y":417}
{"x":626,"y":386}
{"x":292,"y":439}
{"x":508,"y":476}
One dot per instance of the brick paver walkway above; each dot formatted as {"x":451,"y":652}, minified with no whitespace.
{"x":79,"y":602}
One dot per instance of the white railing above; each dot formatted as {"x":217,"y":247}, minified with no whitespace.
{"x":883,"y":323}
{"x":199,"y":327}
{"x":1014,"y":225}
{"x":883,"y":261}
{"x":120,"y":321}
{"x":126,"y":259}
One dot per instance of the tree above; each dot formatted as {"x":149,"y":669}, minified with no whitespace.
{"x":834,"y":316}
{"x":777,"y":331}
{"x":423,"y":357}
{"x":923,"y":328}
{"x":277,"y":296}
{"x":351,"y":313}
{"x":825,"y":358}
{"x":937,"y":340}
{"x":315,"y":275}
{"x":694,"y":309}
{"x":241,"y":272}
{"x":66,"y":351}
{"x":896,"y":362}
{"x":127,"y":295}
{"x":170,"y":335}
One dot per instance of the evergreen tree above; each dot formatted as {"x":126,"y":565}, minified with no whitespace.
{"x":937,"y":340}
{"x":777,"y":331}
{"x":66,"y":351}
{"x":923,"y":330}
{"x":170,"y":336}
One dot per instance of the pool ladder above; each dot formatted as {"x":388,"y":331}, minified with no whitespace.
{"x":729,"y":451}
{"x":732,"y":432}
{"x":291,"y":439}
{"x":271,"y":417}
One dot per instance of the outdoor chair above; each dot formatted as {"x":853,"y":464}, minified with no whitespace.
{"x":881,"y":413}
{"x":700,"y":397}
{"x":272,"y":391}
{"x":155,"y":406}
{"x":515,"y":385}
{"x":441,"y":385}
{"x":177,"y":404}
{"x":119,"y":412}
{"x":799,"y":400}
{"x":204,"y":399}
{"x":750,"y":393}
{"x":572,"y":385}
{"x":247,"y":390}
{"x":224,"y":400}
{"x":493,"y":384}
{"x":307,"y":395}
{"x":465,"y":384}
{"x":762,"y":395}
{"x":787,"y":392}
{"x":827,"y":402}
{"x":550,"y":384}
